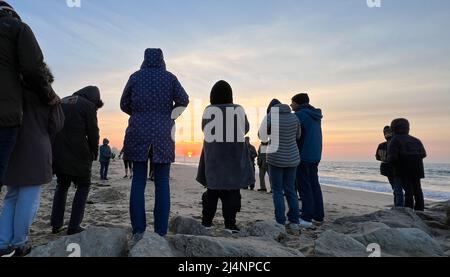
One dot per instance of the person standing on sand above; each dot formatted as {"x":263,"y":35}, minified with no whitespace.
{"x":253,"y":156}
{"x":225,"y":167}
{"x":20,"y":55}
{"x":105,"y":158}
{"x":283,"y":130}
{"x":310,"y":146}
{"x":75,"y":148}
{"x":30,"y":167}
{"x":263,"y":167}
{"x":127,"y":163}
{"x":406,"y":154}
{"x":387,"y":170}
{"x":154,"y":99}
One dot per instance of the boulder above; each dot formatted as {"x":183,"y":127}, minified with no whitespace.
{"x":395,"y":218}
{"x":151,"y":245}
{"x":333,"y":244}
{"x":187,"y":226}
{"x":402,"y":242}
{"x":198,"y":246}
{"x":267,"y":229}
{"x":94,"y":242}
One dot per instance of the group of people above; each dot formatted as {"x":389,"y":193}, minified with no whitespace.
{"x":42,"y":135}
{"x":401,"y":159}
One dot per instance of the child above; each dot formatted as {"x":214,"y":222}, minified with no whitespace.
{"x":225,"y":167}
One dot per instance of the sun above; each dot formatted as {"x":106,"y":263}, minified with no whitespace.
{"x":190,"y":154}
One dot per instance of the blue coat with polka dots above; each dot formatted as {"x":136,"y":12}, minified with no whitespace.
{"x":150,"y":97}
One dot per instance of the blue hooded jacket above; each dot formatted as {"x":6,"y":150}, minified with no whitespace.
{"x":310,"y":144}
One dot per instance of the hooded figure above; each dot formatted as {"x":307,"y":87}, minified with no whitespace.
{"x":150,"y":97}
{"x":76,"y":146}
{"x":105,"y":158}
{"x":154,"y":98}
{"x":310,"y":144}
{"x":406,"y":154}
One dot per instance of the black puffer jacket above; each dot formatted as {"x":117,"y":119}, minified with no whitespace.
{"x":21,"y":61}
{"x":405,"y":152}
{"x":76,"y":146}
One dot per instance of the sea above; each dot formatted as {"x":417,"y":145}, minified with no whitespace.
{"x":365,"y":176}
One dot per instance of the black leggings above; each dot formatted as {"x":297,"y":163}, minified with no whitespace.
{"x":231,"y":205}
{"x":128,"y":164}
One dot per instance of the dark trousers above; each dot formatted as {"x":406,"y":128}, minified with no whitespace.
{"x":8,"y":137}
{"x":78,"y":205}
{"x":310,"y":192}
{"x":104,"y":170}
{"x":263,"y":170}
{"x":413,"y":193}
{"x":161,"y":209}
{"x":231,"y":205}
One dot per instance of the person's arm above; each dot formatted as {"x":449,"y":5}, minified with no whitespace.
{"x":299,"y":131}
{"x":377,"y":154}
{"x":125,"y":101}
{"x":180,"y":99}
{"x":393,"y":151}
{"x":93,"y":132}
{"x":31,"y":64}
{"x":263,"y":132}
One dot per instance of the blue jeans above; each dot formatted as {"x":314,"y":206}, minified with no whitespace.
{"x":8,"y":137}
{"x":399,"y":197}
{"x":283,"y":184}
{"x":310,"y":192}
{"x":104,"y":170}
{"x":19,"y":209}
{"x":162,"y":198}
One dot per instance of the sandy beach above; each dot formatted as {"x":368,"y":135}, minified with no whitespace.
{"x":108,"y":203}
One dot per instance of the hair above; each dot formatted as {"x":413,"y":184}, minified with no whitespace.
{"x":301,"y":98}
{"x":100,"y":104}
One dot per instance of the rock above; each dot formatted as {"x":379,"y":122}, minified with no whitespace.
{"x":395,"y":218}
{"x":94,"y":242}
{"x":197,"y":246}
{"x":151,"y":245}
{"x":107,"y":196}
{"x":267,"y":229}
{"x":332,"y":244}
{"x":434,"y":219}
{"x":402,"y":242}
{"x":187,"y":226}
{"x":447,"y":253}
{"x":359,"y":227}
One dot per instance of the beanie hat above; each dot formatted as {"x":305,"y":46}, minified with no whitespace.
{"x":221,"y":93}
{"x":301,"y":99}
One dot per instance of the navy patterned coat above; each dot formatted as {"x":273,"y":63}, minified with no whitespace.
{"x":150,"y":96}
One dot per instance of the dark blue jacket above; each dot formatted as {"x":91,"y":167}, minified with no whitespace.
{"x":310,"y":144}
{"x":105,"y":153}
{"x":150,"y":97}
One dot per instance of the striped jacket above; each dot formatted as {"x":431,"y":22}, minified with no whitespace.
{"x":283,"y":130}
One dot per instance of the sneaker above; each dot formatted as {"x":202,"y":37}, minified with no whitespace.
{"x":293,"y":227}
{"x":317,"y":223}
{"x":305,"y":224}
{"x":232,"y":229}
{"x":125,"y":177}
{"x":22,"y":251}
{"x":75,"y":231}
{"x":137,"y":237}
{"x":7,"y":253}
{"x":56,"y":230}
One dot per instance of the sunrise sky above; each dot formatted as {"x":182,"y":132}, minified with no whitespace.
{"x":363,"y":66}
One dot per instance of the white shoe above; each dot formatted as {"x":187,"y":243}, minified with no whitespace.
{"x":305,"y":224}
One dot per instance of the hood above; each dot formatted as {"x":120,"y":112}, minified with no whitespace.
{"x":221,"y":93}
{"x":7,"y":10}
{"x":272,"y":104}
{"x":154,"y":58}
{"x":283,"y":108}
{"x":312,"y":112}
{"x":91,"y":93}
{"x":400,"y":126}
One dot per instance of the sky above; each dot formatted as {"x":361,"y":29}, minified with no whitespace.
{"x":362,"y":66}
